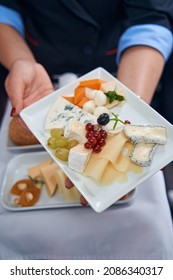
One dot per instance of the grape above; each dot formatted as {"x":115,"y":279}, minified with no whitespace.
{"x":61,"y":142}
{"x":71,"y":143}
{"x":103,"y":119}
{"x":52,"y":143}
{"x":89,"y":126}
{"x":127,"y":122}
{"x":57,"y":132}
{"x":62,"y":154}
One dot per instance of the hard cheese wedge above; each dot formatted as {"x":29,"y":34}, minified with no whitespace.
{"x":49,"y":176}
{"x":34,"y":171}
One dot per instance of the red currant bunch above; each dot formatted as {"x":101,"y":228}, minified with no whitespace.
{"x":96,"y":137}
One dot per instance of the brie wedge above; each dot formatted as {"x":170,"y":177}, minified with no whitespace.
{"x":78,"y":158}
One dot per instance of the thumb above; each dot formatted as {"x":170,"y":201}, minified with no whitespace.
{"x":15,"y":90}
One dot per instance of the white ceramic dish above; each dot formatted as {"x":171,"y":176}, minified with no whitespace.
{"x":17,"y":169}
{"x":135,"y":110}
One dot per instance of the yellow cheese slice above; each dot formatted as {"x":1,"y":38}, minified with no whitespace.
{"x":110,"y":153}
{"x":68,"y":194}
{"x":124,"y":164}
{"x":111,"y":175}
{"x":50,"y":178}
{"x":34,"y":171}
{"x":95,"y":167}
{"x":112,"y":149}
{"x":113,"y":162}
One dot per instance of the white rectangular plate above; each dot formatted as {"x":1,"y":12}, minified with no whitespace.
{"x":135,"y":110}
{"x":17,"y":169}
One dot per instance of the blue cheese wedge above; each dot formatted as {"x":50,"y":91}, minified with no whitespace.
{"x":63,"y":111}
{"x":78,"y":158}
{"x":145,"y":133}
{"x":143,"y":153}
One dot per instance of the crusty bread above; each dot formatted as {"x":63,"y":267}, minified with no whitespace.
{"x":19,"y":135}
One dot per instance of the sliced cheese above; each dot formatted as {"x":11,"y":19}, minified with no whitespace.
{"x":95,"y":168}
{"x":68,"y":194}
{"x":50,"y":178}
{"x":111,"y":175}
{"x":113,"y":147}
{"x":34,"y":171}
{"x":123,"y":163}
{"x":109,"y":155}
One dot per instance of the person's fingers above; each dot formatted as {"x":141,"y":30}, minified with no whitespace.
{"x":83,"y":201}
{"x":68,"y":183}
{"x":36,"y":96}
{"x":15,"y":89}
{"x":22,"y":124}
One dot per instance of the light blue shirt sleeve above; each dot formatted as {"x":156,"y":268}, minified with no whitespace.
{"x":12,"y":18}
{"x":152,"y":35}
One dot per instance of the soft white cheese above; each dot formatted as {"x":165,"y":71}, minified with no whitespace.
{"x":75,"y":130}
{"x":100,"y":98}
{"x":89,"y":106}
{"x":110,"y":126}
{"x":78,"y":158}
{"x":90,"y":93}
{"x":100,"y":110}
{"x":108,"y":86}
{"x":62,"y":111}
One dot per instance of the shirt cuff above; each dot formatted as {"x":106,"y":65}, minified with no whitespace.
{"x":12,"y":18}
{"x":152,"y":35}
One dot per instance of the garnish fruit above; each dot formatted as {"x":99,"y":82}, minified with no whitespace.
{"x":95,"y":138}
{"x":103,"y":119}
{"x":89,"y":127}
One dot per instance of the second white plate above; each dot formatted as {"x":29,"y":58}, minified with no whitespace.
{"x":17,"y":169}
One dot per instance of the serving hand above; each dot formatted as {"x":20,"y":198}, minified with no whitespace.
{"x":26,"y":83}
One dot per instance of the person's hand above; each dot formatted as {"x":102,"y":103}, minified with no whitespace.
{"x":26,"y":83}
{"x":69,"y":184}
